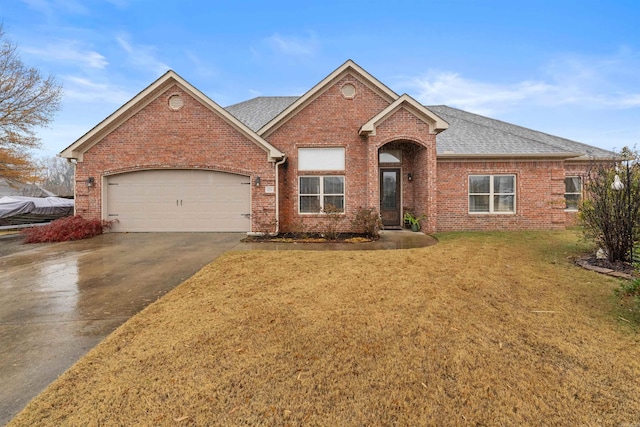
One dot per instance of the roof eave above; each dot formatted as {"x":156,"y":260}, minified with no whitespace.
{"x":587,"y":158}
{"x":503,"y":156}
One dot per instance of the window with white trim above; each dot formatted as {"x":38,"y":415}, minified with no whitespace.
{"x":492,"y":194}
{"x":321,"y":194}
{"x":572,"y":192}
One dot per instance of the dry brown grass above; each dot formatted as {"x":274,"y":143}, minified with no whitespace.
{"x":481,"y":329}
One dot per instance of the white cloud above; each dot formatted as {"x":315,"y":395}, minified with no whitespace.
{"x":78,"y":89}
{"x":481,"y":97}
{"x":594,"y":83}
{"x":629,"y":101}
{"x":599,"y":81}
{"x":48,"y":7}
{"x":142,"y":56}
{"x":121,"y":4}
{"x":42,"y":6}
{"x":199,"y":67}
{"x":293,"y":46}
{"x":69,"y":51}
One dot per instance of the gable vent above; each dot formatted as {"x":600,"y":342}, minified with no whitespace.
{"x":176,"y":102}
{"x":348,"y":91}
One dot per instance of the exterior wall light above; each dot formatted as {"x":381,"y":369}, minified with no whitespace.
{"x":91,"y":181}
{"x":410,"y":177}
{"x":258,"y":180}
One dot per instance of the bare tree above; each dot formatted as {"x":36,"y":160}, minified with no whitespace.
{"x":610,"y":212}
{"x":27,"y":101}
{"x":57,"y":175}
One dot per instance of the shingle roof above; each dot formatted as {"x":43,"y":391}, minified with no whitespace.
{"x":257,"y":112}
{"x":468,"y":134}
{"x":472,"y":134}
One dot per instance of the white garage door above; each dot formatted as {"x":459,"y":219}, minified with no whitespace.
{"x":178,"y":200}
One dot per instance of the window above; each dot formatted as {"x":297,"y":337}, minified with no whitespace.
{"x":390,"y":156}
{"x":572,"y":192}
{"x":321,"y":193}
{"x":492,"y":193}
{"x":321,"y":159}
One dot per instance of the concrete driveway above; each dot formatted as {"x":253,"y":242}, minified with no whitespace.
{"x":57,"y":301}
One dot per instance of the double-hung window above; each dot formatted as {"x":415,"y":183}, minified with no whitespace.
{"x":492,"y":194}
{"x":321,"y":194}
{"x":572,"y":192}
{"x":322,"y":190}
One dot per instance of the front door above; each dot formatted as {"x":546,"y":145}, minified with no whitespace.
{"x":390,"y":197}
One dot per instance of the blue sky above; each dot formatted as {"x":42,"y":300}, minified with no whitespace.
{"x":568,"y":68}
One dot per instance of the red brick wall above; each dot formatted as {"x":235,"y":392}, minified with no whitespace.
{"x":193,"y":137}
{"x":330,"y":120}
{"x":539,"y":195}
{"x":412,"y":134}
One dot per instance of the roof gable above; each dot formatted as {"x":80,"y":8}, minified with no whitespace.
{"x":436,"y":124}
{"x":346,"y":68}
{"x":144,"y":98}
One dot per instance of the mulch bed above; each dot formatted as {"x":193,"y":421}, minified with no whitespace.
{"x":310,"y":238}
{"x":618,"y":266}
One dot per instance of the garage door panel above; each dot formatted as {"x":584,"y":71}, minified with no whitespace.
{"x":179,"y":200}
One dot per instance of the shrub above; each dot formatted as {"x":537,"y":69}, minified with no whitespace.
{"x":65,"y":229}
{"x":610,"y":216}
{"x":334,"y":217}
{"x":368,"y":220}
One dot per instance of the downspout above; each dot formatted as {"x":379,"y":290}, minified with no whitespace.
{"x":284,"y":159}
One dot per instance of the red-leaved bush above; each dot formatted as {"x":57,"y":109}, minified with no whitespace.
{"x":65,"y":229}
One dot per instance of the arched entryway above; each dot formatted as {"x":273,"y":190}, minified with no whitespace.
{"x":401,"y":167}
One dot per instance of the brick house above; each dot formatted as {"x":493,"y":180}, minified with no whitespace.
{"x":171,"y":159}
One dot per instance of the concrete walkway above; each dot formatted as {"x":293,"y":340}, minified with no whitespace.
{"x":57,"y":301}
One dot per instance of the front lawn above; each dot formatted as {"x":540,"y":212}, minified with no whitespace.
{"x":481,"y":329}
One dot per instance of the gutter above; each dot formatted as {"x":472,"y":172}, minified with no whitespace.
{"x":460,"y":156}
{"x":613,"y":158}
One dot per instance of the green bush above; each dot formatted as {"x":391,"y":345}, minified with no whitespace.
{"x":629,"y":293}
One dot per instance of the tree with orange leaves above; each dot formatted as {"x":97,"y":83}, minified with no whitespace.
{"x":27,"y":101}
